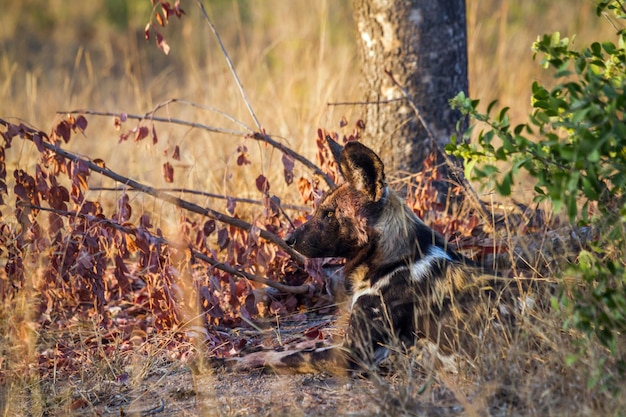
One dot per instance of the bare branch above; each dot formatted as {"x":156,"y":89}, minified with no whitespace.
{"x":210,"y":195}
{"x":160,"y":119}
{"x":199,"y":106}
{"x":263,"y":137}
{"x":363,"y":103}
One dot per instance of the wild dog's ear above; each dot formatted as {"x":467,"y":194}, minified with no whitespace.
{"x":335,"y":148}
{"x":361,"y":167}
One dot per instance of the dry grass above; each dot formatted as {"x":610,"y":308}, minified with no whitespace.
{"x":293,"y":58}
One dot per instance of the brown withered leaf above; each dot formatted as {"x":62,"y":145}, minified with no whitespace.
{"x":79,"y":172}
{"x":343,"y":122}
{"x":63,"y":130}
{"x":142,"y":133}
{"x":288,"y":164}
{"x":306,"y":190}
{"x":58,"y":196}
{"x":168,"y":172}
{"x":124,"y":209}
{"x":223,"y":239}
{"x":176,"y":153}
{"x":155,"y":138}
{"x":209,"y":227}
{"x":99,"y":162}
{"x":144,"y":221}
{"x":233,"y":299}
{"x":122,"y":274}
{"x":55,"y":224}
{"x":250,"y":305}
{"x":81,"y":123}
{"x":231,"y":205}
{"x":262,"y":184}
{"x":91,"y":207}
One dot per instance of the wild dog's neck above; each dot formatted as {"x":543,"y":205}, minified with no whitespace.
{"x":401,"y":233}
{"x":396,"y":237}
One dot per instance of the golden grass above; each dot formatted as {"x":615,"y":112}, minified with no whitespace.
{"x":293,"y":58}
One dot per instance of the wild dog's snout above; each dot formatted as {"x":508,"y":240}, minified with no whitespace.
{"x":290,"y":239}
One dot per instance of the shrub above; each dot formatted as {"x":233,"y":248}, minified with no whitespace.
{"x":574,"y":146}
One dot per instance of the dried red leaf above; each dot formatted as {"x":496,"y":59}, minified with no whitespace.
{"x":146,"y":31}
{"x":168,"y":172}
{"x":176,"y":153}
{"x":288,"y":165}
{"x":223,"y":238}
{"x":144,"y":221}
{"x":262,"y":184}
{"x":305,"y":189}
{"x":313,"y":333}
{"x":124,"y":209}
{"x":63,"y":130}
{"x":142,"y":133}
{"x":81,"y":123}
{"x":231,"y":205}
{"x":343,"y":122}
{"x":209,"y":227}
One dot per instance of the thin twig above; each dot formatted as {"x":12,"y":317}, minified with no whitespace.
{"x":160,"y":119}
{"x":364,"y":103}
{"x":210,"y":195}
{"x":299,"y":289}
{"x":454,"y":169}
{"x":263,"y":137}
{"x":230,"y":64}
{"x":199,"y":106}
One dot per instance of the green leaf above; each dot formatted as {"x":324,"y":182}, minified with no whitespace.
{"x":504,"y":187}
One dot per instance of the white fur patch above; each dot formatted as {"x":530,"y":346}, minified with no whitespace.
{"x":419,"y":270}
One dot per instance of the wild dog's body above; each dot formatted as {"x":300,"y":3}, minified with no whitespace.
{"x":406,"y":285}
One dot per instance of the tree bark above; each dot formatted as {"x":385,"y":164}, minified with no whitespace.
{"x":423,"y":44}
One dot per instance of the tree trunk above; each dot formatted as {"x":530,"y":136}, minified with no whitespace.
{"x":423,"y":44}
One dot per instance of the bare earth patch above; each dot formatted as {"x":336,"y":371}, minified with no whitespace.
{"x":179,"y":392}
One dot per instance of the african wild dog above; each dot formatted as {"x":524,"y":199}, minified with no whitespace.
{"x":407,"y":286}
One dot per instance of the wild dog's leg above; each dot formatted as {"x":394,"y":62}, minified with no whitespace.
{"x":369,"y":332}
{"x":301,"y":359}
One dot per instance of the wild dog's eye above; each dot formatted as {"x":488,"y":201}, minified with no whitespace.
{"x":329,"y":213}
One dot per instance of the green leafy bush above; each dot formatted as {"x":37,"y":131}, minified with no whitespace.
{"x":574,"y":146}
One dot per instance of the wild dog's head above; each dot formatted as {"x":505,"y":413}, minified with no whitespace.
{"x":342,"y":223}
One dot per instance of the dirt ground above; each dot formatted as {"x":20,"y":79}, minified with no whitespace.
{"x":181,"y":392}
